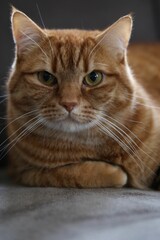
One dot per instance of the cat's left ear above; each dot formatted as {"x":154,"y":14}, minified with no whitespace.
{"x":26,"y":33}
{"x":116,"y":38}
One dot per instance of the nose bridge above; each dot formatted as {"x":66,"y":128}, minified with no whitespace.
{"x":69,"y":92}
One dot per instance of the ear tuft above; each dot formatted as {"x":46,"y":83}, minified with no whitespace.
{"x":13,"y":9}
{"x":26,"y":33}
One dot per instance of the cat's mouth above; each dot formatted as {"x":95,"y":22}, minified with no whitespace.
{"x":69,"y":123}
{"x":77,"y":118}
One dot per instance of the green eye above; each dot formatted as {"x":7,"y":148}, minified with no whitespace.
{"x":47,"y":78}
{"x":93,"y":78}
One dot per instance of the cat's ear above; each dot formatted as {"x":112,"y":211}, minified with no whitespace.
{"x":116,"y":38}
{"x":26,"y":33}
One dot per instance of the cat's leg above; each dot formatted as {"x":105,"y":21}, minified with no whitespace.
{"x":85,"y":175}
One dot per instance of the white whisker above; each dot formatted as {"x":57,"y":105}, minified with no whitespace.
{"x":22,"y":116}
{"x":130,"y":138}
{"x":40,"y":15}
{"x":4,"y":96}
{"x":3,"y":100}
{"x":123,"y":145}
{"x":20,"y":136}
{"x":143,"y":104}
{"x":130,"y":142}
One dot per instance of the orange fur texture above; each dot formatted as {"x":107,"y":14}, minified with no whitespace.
{"x":67,"y":132}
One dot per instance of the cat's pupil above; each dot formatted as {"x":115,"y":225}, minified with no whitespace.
{"x":46,"y":76}
{"x":93,"y":76}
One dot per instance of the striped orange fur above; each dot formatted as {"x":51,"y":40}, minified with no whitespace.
{"x":64,"y":132}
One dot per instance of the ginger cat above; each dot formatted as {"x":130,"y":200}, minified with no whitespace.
{"x":77,"y":114}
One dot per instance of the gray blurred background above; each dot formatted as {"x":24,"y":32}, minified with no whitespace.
{"x":84,"y":14}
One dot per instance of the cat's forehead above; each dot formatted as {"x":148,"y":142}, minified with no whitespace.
{"x":72,"y":34}
{"x":71,"y":48}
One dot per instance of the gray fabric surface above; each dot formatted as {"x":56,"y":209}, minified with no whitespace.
{"x":57,"y":214}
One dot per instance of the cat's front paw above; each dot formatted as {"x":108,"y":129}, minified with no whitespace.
{"x":102,"y":174}
{"x":113,"y":176}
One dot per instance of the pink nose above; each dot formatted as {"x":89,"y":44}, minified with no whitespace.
{"x":69,"y":106}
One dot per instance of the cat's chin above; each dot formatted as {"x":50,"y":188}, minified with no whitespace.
{"x":68,"y":125}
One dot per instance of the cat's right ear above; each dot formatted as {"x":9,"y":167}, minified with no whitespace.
{"x":26,"y":33}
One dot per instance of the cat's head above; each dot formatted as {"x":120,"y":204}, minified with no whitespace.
{"x":70,"y":78}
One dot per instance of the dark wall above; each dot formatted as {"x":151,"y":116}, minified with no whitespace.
{"x":88,"y":14}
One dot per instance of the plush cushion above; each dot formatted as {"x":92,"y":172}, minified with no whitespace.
{"x":81,"y":214}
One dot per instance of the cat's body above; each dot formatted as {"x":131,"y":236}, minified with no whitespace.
{"x":74,"y":134}
{"x":144,"y":59}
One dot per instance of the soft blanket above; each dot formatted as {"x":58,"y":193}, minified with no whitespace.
{"x":81,"y":214}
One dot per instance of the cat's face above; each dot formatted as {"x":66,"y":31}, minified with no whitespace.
{"x":69,"y":78}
